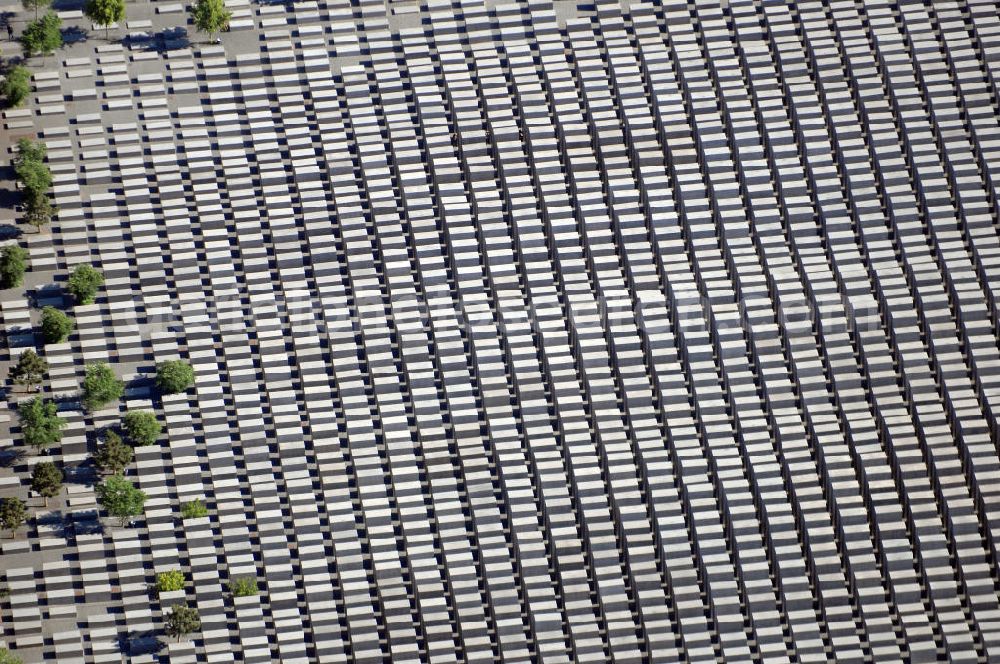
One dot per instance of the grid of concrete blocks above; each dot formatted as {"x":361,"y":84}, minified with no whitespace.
{"x":527,"y":332}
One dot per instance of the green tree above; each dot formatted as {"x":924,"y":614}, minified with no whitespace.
{"x":193,"y":509}
{"x":13,"y":513}
{"x":40,"y":425}
{"x":105,"y":12}
{"x":120,"y":498}
{"x":142,"y":427}
{"x":56,"y":325}
{"x":243,"y":586}
{"x":182,"y":620}
{"x":7,"y":657}
{"x":46,"y":480}
{"x":211,"y":16}
{"x":101,"y":386}
{"x":42,"y":36}
{"x":29,"y":166}
{"x":114,"y":455}
{"x":30,"y":151}
{"x":84,"y":282}
{"x":174,"y":376}
{"x":13,"y":264}
{"x":38,"y":211}
{"x":16,"y":85}
{"x":36,"y":5}
{"x":169,"y":581}
{"x":29,"y":370}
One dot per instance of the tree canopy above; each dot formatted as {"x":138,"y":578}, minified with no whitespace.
{"x":7,"y":657}
{"x":174,"y":376}
{"x":29,"y":166}
{"x":101,"y":386}
{"x":29,"y":370}
{"x":211,"y":16}
{"x":142,"y":427}
{"x":120,"y":498}
{"x":13,"y":513}
{"x":13,"y":264}
{"x":42,"y":36}
{"x":243,"y":586}
{"x":169,"y":581}
{"x":114,"y":455}
{"x":35,"y":177}
{"x":29,"y":151}
{"x":38,"y":210}
{"x":193,"y":509}
{"x":182,"y":620}
{"x":84,"y":282}
{"x":40,"y":424}
{"x":16,"y":85}
{"x":105,"y":12}
{"x":46,"y":480}
{"x":56,"y":325}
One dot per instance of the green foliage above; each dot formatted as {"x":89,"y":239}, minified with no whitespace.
{"x":120,"y":498}
{"x":101,"y":386}
{"x":29,"y":370}
{"x":16,"y":85}
{"x":46,"y":480}
{"x":13,"y":263}
{"x":40,"y":425}
{"x":211,"y":16}
{"x":29,"y":166}
{"x":174,"y":376}
{"x":243,"y":586}
{"x":29,"y":151}
{"x":36,"y":5}
{"x":169,"y":581}
{"x":13,"y":513}
{"x":38,"y":211}
{"x":142,"y":427}
{"x":114,"y":455}
{"x":84,"y":282}
{"x":182,"y":620}
{"x":36,"y":178}
{"x":194,"y":509}
{"x":105,"y":12}
{"x":42,"y":36}
{"x":56,"y":325}
{"x":7,"y":657}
